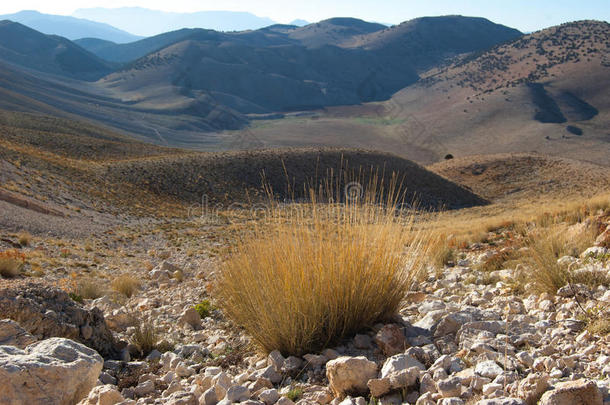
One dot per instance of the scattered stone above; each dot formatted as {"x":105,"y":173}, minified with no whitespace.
{"x":103,"y":395}
{"x":379,"y":386}
{"x":489,"y":369}
{"x":391,"y":340}
{"x":450,"y":387}
{"x":190,"y":317}
{"x":532,"y":387}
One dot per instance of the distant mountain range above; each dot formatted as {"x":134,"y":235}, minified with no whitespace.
{"x":424,"y":88}
{"x":70,"y":27}
{"x":145,"y":22}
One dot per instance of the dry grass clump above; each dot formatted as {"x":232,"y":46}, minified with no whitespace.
{"x":125,"y":284}
{"x":314,"y":273}
{"x":546,"y":246}
{"x":441,"y":253}
{"x":11,"y":263}
{"x":24,"y":239}
{"x":90,"y":289}
{"x":145,"y":338}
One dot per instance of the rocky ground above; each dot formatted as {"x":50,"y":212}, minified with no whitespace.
{"x":464,"y":337}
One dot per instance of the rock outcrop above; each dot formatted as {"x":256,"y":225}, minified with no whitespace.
{"x":55,"y":371}
{"x":46,"y":311}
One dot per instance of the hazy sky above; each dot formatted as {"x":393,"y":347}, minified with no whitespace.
{"x":526,"y":15}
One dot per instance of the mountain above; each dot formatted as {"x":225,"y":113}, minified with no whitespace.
{"x":145,"y":22}
{"x":69,"y":27}
{"x":287,"y":68}
{"x":26,"y":47}
{"x":123,"y":53}
{"x":545,"y":92}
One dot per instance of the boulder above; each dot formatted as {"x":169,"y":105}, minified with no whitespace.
{"x":578,"y":392}
{"x":12,"y":334}
{"x":46,"y":311}
{"x":350,"y":375}
{"x":391,"y":340}
{"x":53,"y":371}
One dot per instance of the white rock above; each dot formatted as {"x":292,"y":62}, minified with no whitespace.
{"x":399,"y":362}
{"x":349,"y":375}
{"x":144,"y":388}
{"x":238,"y":393}
{"x":450,"y":387}
{"x":573,"y":392}
{"x":53,"y":371}
{"x":489,"y":369}
{"x":269,"y":396}
{"x":209,"y":397}
{"x":103,"y":395}
{"x":191,"y":317}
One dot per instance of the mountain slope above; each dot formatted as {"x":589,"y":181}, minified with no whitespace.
{"x":148,"y":22}
{"x":31,"y":49}
{"x":545,"y":92}
{"x":70,"y":27}
{"x":286,"y":68}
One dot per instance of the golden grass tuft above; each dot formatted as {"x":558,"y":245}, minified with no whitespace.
{"x":546,"y":246}
{"x":24,"y":239}
{"x":11,"y":263}
{"x":125,"y":284}
{"x":314,"y":273}
{"x":145,"y":338}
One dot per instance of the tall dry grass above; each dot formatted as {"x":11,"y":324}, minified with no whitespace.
{"x":546,"y":245}
{"x":316,"y":272}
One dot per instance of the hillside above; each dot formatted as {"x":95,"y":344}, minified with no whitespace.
{"x":545,"y":92}
{"x":26,"y":47}
{"x":69,"y":27}
{"x":83,"y":174}
{"x":522,"y":176}
{"x":287,"y":68}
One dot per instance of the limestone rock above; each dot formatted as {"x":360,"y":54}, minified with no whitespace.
{"x":103,"y":395}
{"x":349,"y":375}
{"x":579,"y":392}
{"x":12,"y":334}
{"x":53,"y":371}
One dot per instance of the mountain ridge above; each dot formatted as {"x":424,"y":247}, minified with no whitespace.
{"x":69,"y":27}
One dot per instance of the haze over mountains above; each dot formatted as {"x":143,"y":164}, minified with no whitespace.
{"x":145,"y":22}
{"x":422,"y":89}
{"x":70,"y":27}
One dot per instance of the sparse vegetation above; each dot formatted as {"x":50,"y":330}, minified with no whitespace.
{"x":546,"y":246}
{"x":24,"y":239}
{"x":204,"y":308}
{"x":294,"y":394}
{"x":316,"y":273}
{"x":126,"y":285}
{"x":11,"y":263}
{"x":145,"y":338}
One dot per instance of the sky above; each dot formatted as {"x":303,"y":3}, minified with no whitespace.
{"x":524,"y":15}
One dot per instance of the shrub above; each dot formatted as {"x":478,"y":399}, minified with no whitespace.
{"x":89,"y":289}
{"x":24,"y":239}
{"x":126,"y":285}
{"x":313,"y":274}
{"x":145,"y":338}
{"x":11,"y":263}
{"x":204,"y":308}
{"x":294,"y":394}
